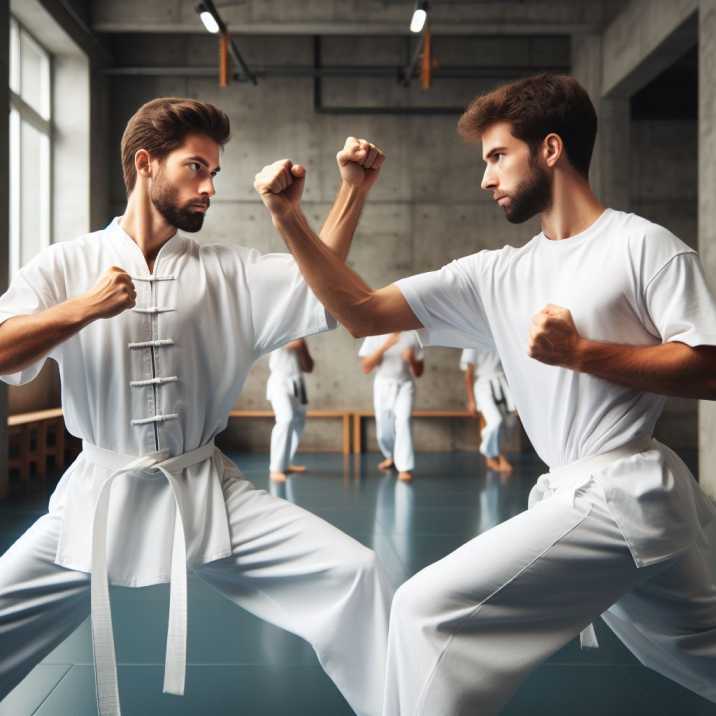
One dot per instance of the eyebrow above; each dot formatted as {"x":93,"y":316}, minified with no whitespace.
{"x":494,"y":151}
{"x":203,"y":162}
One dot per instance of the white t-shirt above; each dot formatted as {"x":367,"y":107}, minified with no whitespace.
{"x":624,"y":279}
{"x":392,"y":367}
{"x":283,"y":362}
{"x":487,"y":363}
{"x":163,"y":375}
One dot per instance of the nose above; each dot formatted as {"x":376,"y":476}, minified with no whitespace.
{"x":489,"y":181}
{"x":207,"y":187}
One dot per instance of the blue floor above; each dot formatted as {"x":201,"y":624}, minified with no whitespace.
{"x":239,"y":665}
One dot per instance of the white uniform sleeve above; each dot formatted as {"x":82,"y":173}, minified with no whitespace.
{"x":448,"y":304}
{"x":370,"y":345}
{"x":37,"y":286}
{"x":283,"y":307}
{"x":679,"y":302}
{"x":467,"y":357}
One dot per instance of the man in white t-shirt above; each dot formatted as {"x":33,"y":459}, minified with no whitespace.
{"x":397,"y":360}
{"x":286,"y":390}
{"x":154,"y":334}
{"x":596,"y":319}
{"x":487,"y":391}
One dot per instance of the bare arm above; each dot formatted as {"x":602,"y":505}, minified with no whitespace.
{"x":362,"y":310}
{"x":359,"y":163}
{"x":305,"y":360}
{"x":26,"y":339}
{"x":667,"y":369}
{"x":416,"y":366}
{"x":470,"y":388}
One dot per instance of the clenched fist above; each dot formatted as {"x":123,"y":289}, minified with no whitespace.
{"x":359,"y":162}
{"x":111,"y":295}
{"x":554,"y":338}
{"x":280,"y":186}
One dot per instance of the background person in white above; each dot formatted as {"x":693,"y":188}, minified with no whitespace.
{"x":286,"y":389}
{"x":596,"y":319}
{"x":488,"y":392}
{"x":154,"y":335}
{"x":397,"y":360}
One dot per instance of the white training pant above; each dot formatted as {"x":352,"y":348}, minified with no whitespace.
{"x":288,"y":567}
{"x":486,"y":389}
{"x":465,"y":631}
{"x":290,"y":422}
{"x":393,"y":403}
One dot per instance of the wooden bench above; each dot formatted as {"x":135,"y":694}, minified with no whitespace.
{"x":344,"y":415}
{"x":360,"y":415}
{"x":33,"y":438}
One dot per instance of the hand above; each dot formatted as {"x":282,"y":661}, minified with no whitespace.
{"x":407,"y":355}
{"x":554,"y":338}
{"x":280,"y":186}
{"x":359,"y":163}
{"x":471,"y":407}
{"x":111,"y":295}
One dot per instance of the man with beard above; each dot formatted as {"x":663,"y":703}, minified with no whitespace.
{"x":147,"y":389}
{"x":596,"y":319}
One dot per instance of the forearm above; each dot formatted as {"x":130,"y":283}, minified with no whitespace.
{"x":26,"y":339}
{"x":673,"y":369}
{"x":337,"y":287}
{"x":342,"y":220}
{"x":470,"y":387}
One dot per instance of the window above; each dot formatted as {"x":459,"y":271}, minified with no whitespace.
{"x":30,"y":146}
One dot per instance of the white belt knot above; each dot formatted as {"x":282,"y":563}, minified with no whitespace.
{"x":105,"y":659}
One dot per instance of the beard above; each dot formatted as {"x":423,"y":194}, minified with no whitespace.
{"x":532,"y":196}
{"x":164,"y":196}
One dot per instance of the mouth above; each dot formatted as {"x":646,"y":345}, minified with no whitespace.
{"x":202,"y":208}
{"x":502,"y":200}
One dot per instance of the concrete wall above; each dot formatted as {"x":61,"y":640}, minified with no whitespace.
{"x":664,"y":182}
{"x":426,"y":209}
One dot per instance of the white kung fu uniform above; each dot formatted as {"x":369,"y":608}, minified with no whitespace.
{"x":393,"y":398}
{"x":286,"y":390}
{"x":618,"y":527}
{"x":492,"y":395}
{"x":159,"y":381}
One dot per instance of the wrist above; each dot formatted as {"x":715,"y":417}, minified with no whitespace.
{"x":79,"y":312}
{"x":286,"y":216}
{"x":580,"y":354}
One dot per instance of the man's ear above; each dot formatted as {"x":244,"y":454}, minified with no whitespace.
{"x":552,"y":149}
{"x":143,"y":163}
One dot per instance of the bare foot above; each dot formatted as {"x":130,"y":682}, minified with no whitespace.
{"x":387,"y":464}
{"x":492,"y":464}
{"x":278,"y":476}
{"x":505,"y":465}
{"x":405,"y":476}
{"x":296,"y":468}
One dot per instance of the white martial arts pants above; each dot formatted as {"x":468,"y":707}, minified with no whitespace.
{"x":393,"y":404}
{"x":465,"y":631}
{"x":485,"y":391}
{"x":288,"y":567}
{"x":290,"y":423}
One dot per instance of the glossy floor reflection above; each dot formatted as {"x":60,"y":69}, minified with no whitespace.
{"x":238,"y":664}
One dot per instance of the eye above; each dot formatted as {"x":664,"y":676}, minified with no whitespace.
{"x":194,"y":166}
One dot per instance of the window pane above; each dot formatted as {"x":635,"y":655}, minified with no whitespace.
{"x":14,"y":57}
{"x":35,"y":185}
{"x":34,"y":75}
{"x":14,"y":191}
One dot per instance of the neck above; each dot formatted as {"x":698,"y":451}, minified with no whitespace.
{"x":145,"y":225}
{"x":574,"y":207}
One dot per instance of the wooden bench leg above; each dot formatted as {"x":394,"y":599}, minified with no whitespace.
{"x":41,"y":454}
{"x":357,"y":438}
{"x":346,"y":433}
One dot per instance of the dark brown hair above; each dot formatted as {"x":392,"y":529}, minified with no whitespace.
{"x":535,"y":107}
{"x":161,"y":125}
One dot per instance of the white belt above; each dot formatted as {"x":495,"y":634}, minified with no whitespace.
{"x":568,"y":478}
{"x":105,"y":659}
